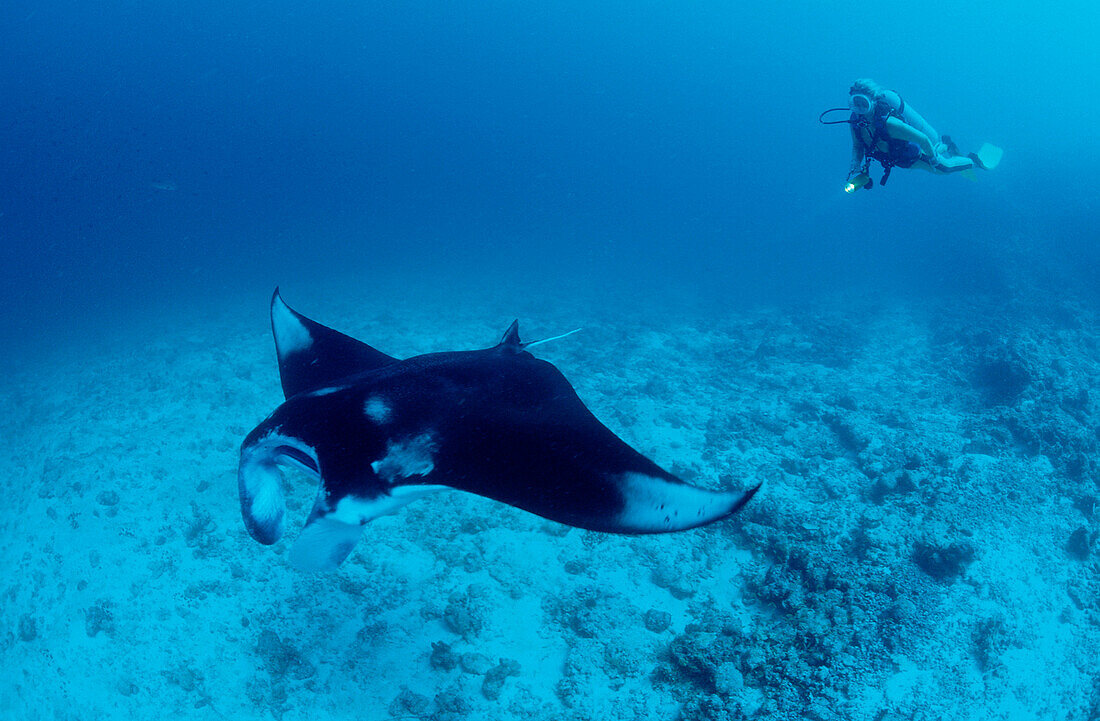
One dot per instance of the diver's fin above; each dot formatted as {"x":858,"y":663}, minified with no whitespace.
{"x":989,"y":156}
{"x":969,"y":174}
{"x":951,"y":147}
{"x":312,"y":356}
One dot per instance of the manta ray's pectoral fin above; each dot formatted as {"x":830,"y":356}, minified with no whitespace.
{"x":555,"y":459}
{"x":313,"y":356}
{"x":652,"y":504}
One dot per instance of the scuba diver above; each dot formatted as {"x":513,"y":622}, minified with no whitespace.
{"x":886,"y":129}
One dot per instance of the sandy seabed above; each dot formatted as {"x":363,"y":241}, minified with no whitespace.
{"x":924,"y":546}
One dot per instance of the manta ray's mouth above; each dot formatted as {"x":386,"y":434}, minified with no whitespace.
{"x":298,"y":458}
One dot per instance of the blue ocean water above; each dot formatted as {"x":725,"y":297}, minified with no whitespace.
{"x":165,"y":162}
{"x":153,"y":150}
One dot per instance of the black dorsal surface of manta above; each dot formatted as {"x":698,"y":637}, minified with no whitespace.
{"x":378,"y":432}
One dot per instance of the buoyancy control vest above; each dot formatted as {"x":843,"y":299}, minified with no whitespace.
{"x":900,"y":153}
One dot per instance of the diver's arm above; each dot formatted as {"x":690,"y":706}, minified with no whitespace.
{"x":857,"y":152}
{"x":913,"y":119}
{"x":897,"y":129}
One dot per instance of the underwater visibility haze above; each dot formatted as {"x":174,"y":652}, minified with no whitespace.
{"x":912,"y":372}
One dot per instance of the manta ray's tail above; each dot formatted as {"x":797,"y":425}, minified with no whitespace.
{"x":511,"y":342}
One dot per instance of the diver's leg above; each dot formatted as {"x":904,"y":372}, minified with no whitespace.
{"x":915,"y":120}
{"x":922,"y":165}
{"x":938,"y":162}
{"x":897,"y":129}
{"x":952,"y":164}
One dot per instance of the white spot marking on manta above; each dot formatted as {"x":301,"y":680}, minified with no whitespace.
{"x":654,"y":504}
{"x":325,"y":391}
{"x":405,"y":458}
{"x":377,"y":410}
{"x":359,"y":510}
{"x":291,"y":334}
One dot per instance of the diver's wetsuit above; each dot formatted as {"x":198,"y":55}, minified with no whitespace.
{"x":894,"y":126}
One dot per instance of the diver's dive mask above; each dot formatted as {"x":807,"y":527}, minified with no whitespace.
{"x":861,"y":104}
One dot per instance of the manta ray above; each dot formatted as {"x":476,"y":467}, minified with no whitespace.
{"x":377,"y":432}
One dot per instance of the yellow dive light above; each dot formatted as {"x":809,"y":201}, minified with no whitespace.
{"x":857,"y":182}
